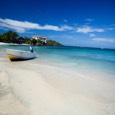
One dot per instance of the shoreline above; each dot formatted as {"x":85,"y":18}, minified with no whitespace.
{"x":45,"y":89}
{"x":2,"y":43}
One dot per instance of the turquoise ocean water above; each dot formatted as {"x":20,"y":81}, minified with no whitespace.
{"x":91,"y":61}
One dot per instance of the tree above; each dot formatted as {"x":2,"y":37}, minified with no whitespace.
{"x":27,"y":40}
{"x":1,"y":38}
{"x":52,"y":43}
{"x":10,"y":37}
{"x":33,"y":42}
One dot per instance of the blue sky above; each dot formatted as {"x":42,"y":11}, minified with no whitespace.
{"x":88,"y":23}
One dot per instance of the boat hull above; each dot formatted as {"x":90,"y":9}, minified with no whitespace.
{"x":18,"y":55}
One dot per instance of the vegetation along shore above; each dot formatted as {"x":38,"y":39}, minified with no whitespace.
{"x":13,"y":37}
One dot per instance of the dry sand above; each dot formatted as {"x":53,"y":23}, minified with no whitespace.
{"x":9,"y":104}
{"x":35,"y":88}
{"x":2,"y":43}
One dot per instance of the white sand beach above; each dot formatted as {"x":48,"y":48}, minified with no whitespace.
{"x":2,"y":43}
{"x":43,"y":89}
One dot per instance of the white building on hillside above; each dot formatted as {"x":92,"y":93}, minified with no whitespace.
{"x":37,"y":37}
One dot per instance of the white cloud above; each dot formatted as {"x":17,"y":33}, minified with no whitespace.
{"x":89,"y":29}
{"x":49,"y":27}
{"x":22,"y":26}
{"x":91,"y":35}
{"x":66,"y":27}
{"x":111,"y":40}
